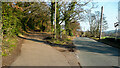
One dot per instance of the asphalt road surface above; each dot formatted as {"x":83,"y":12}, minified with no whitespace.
{"x":93,"y":53}
{"x":35,"y":53}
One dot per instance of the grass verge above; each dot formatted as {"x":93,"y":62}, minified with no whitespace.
{"x":109,"y":41}
{"x":63,"y":43}
{"x":11,"y":49}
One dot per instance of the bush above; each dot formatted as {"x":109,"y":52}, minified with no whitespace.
{"x":88,"y":34}
{"x":118,"y":40}
{"x":110,"y":39}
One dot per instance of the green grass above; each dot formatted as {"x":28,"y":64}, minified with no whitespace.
{"x":12,"y":45}
{"x":57,"y":41}
{"x":4,"y":54}
{"x":8,"y":45}
{"x":95,"y":38}
{"x":62,"y":42}
{"x":102,"y":37}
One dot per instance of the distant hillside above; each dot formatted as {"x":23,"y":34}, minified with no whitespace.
{"x":112,"y":32}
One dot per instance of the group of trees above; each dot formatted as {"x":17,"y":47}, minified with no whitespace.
{"x":41,"y":15}
{"x":18,"y":15}
{"x":94,"y":22}
{"x":69,"y":14}
{"x":11,"y":19}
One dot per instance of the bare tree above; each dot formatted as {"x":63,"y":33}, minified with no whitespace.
{"x":94,"y":22}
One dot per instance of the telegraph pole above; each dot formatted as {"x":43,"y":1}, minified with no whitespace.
{"x":101,"y":22}
{"x":55,"y":18}
{"x":1,"y":32}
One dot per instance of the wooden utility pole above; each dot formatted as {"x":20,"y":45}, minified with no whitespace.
{"x":1,"y":32}
{"x":101,"y":22}
{"x":55,"y":18}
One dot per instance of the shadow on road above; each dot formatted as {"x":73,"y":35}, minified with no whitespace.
{"x":96,"y":47}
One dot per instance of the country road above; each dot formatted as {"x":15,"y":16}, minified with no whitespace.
{"x":36,"y":53}
{"x":93,"y":53}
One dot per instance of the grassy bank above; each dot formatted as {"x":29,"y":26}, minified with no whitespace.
{"x":11,"y":48}
{"x":63,"y":43}
{"x":109,"y":41}
{"x":9,"y":43}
